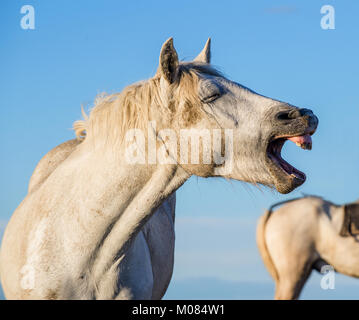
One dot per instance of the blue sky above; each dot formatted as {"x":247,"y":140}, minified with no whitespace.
{"x":277,"y":48}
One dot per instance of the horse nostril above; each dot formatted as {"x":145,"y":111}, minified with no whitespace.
{"x":303,"y":112}
{"x":287,"y":115}
{"x":295,"y":113}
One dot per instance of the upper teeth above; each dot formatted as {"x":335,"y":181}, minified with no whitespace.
{"x":305,"y":146}
{"x":304,"y":141}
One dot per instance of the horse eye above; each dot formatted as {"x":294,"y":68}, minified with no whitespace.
{"x":212,"y":97}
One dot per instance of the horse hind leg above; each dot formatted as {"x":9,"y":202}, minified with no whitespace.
{"x":286,"y":289}
{"x":290,"y":285}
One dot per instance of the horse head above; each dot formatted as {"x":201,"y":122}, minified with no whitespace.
{"x":198,"y":97}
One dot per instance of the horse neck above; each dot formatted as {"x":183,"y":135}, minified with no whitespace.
{"x":143,"y":189}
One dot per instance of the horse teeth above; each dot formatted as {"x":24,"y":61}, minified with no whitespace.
{"x":298,"y":144}
{"x":306,"y":146}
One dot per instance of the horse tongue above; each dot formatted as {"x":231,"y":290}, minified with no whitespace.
{"x":302,"y":141}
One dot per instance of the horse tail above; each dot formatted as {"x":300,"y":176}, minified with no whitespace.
{"x":262,"y":245}
{"x":261,"y":242}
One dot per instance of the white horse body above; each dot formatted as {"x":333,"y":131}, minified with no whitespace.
{"x":81,"y":231}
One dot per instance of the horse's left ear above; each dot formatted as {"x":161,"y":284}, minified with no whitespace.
{"x":168,"y":61}
{"x":205,"y":55}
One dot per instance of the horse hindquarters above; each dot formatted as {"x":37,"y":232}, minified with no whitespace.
{"x":279,"y":261}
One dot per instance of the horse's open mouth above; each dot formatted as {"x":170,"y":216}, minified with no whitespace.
{"x":281,"y":168}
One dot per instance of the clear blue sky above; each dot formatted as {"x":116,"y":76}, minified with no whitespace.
{"x":277,"y":48}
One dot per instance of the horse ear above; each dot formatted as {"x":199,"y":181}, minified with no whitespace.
{"x":350,"y":226}
{"x":168,"y":61}
{"x":205,"y":54}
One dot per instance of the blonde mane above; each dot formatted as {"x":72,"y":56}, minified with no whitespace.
{"x":114,"y":114}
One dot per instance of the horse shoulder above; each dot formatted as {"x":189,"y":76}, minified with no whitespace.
{"x":50,"y":162}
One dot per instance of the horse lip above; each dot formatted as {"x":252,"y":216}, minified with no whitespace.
{"x":291,"y":184}
{"x":284,"y":182}
{"x":309,"y":131}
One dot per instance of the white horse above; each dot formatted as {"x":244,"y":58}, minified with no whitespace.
{"x":305,"y":234}
{"x":81,"y":231}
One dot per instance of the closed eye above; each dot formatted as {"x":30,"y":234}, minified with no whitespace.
{"x":211,"y":98}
